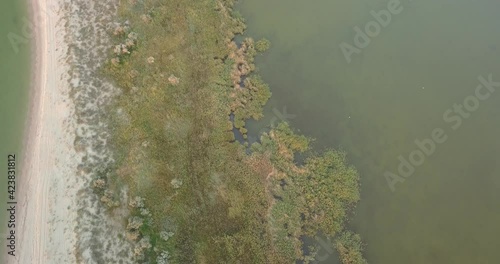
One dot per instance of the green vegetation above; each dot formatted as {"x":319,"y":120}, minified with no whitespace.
{"x":196,"y":196}
{"x":349,"y":246}
{"x":262,"y":45}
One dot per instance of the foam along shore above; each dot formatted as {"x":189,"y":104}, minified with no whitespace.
{"x":46,"y":184}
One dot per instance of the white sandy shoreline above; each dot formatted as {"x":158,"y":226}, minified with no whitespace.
{"x":57,"y":209}
{"x":44,"y":231}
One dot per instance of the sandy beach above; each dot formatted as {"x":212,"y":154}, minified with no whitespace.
{"x":57,"y":209}
{"x":46,"y":186}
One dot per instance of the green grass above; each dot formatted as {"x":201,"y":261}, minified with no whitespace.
{"x":224,"y":211}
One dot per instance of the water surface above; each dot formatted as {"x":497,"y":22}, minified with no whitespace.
{"x":14,"y":83}
{"x":393,"y":92}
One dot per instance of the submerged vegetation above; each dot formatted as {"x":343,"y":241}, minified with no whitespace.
{"x":197,"y":195}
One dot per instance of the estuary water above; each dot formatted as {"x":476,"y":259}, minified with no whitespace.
{"x":14,"y":84}
{"x":412,"y":101}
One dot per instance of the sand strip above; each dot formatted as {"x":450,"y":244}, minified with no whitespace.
{"x":45,"y":221}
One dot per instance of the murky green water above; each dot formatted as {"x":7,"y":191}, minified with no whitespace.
{"x":14,"y":83}
{"x":393,"y":92}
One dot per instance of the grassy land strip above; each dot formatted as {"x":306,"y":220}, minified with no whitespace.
{"x":197,"y":196}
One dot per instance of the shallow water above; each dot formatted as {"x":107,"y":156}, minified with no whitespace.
{"x":393,"y":92}
{"x":14,"y":83}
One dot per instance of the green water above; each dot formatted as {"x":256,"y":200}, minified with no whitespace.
{"x":393,"y":92}
{"x":14,"y":83}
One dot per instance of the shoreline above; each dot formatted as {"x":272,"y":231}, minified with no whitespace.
{"x":37,"y":207}
{"x":31,"y":129}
